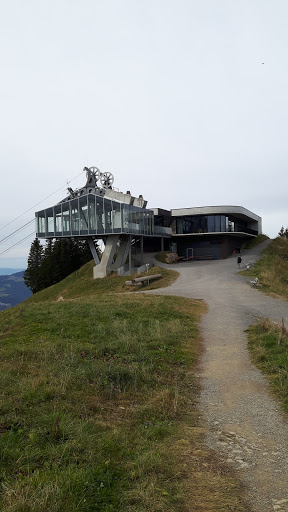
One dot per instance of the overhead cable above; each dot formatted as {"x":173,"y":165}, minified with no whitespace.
{"x":32,"y":208}
{"x":17,"y":243}
{"x":16,"y":231}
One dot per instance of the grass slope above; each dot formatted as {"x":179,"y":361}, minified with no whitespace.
{"x":81,"y":283}
{"x":255,"y":241}
{"x":268,"y":343}
{"x":272,"y":268}
{"x":99,"y":404}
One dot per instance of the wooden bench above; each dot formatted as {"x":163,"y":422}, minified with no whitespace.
{"x":141,"y":280}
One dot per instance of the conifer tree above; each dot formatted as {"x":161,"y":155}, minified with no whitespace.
{"x":33,"y":274}
{"x":48,"y":267}
{"x":59,"y":258}
{"x":283,"y":232}
{"x":62,"y":258}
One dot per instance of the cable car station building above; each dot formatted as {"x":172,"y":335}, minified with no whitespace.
{"x":97,"y":211}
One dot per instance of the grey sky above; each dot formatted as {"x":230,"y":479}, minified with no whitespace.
{"x":170,"y":96}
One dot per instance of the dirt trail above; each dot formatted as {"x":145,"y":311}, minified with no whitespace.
{"x":246,"y":425}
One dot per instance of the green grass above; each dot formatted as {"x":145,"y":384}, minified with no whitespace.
{"x":268,"y":344}
{"x":272,"y":268}
{"x":255,"y":241}
{"x":99,"y":404}
{"x":82,"y":283}
{"x":64,"y":367}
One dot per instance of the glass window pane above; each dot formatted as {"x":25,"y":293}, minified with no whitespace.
{"x":74,"y":207}
{"x":204,"y":223}
{"x":133,"y":228}
{"x":151,"y":222}
{"x":125,"y":217}
{"x":147,"y":223}
{"x":66,"y":219}
{"x":230,"y":226}
{"x":40,"y":223}
{"x":116,"y":217}
{"x":91,"y":214}
{"x":83,"y":214}
{"x":99,"y":214}
{"x":141,"y":223}
{"x":108,"y":215}
{"x":217,"y":223}
{"x":49,"y":221}
{"x":58,"y":220}
{"x":211,"y":224}
{"x":179,"y":226}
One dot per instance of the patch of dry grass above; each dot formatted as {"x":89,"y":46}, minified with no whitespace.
{"x":268,"y":344}
{"x":272,"y":268}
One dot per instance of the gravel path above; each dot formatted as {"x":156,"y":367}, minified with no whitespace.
{"x":246,"y":425}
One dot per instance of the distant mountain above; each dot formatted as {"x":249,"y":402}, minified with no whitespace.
{"x":13,"y":290}
{"x":9,"y":271}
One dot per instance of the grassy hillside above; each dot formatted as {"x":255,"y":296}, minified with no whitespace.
{"x":99,"y":404}
{"x":255,"y":241}
{"x":272,"y":268}
{"x":81,"y":283}
{"x":268,"y":342}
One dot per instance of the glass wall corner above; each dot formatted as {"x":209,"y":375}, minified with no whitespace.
{"x":49,"y":222}
{"x":40,"y":224}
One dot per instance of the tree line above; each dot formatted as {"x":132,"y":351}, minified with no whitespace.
{"x":283,"y":232}
{"x":54,"y":261}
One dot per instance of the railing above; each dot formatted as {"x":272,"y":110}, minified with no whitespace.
{"x":160,"y":230}
{"x":240,"y":229}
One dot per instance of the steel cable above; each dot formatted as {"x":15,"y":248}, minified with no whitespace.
{"x":17,"y":243}
{"x":29,"y":210}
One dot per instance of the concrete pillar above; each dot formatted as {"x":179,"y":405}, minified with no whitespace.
{"x":122,"y":254}
{"x":93,"y":250}
{"x":104,"y":268}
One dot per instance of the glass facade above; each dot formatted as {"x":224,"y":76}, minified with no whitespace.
{"x":93,"y":215}
{"x":211,"y":224}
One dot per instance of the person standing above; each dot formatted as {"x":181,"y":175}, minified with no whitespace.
{"x":239,"y":259}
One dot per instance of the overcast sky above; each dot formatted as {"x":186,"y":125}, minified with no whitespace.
{"x":184,"y":101}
